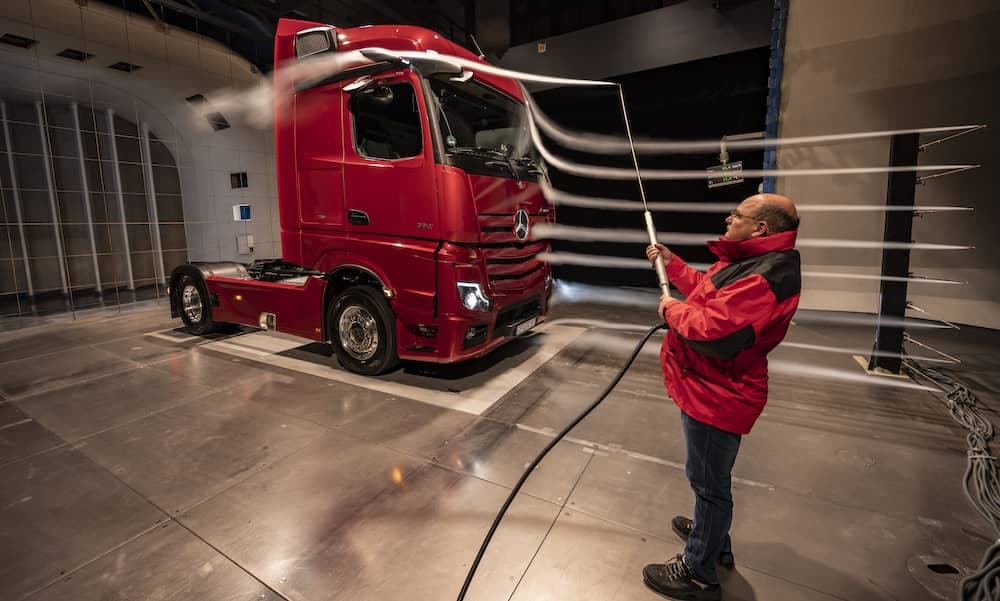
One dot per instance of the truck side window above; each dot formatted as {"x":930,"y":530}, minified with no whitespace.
{"x":387,"y":122}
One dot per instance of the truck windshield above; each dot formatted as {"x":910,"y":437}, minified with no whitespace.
{"x":476,"y":118}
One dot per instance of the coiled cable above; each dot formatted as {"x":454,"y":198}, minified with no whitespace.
{"x":982,"y":479}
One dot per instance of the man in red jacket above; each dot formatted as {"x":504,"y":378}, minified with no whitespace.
{"x":714,"y":359}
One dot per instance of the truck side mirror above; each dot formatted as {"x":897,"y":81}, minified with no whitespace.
{"x":367,"y":92}
{"x":378,"y":95}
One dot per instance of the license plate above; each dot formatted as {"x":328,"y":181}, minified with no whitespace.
{"x":524,"y":326}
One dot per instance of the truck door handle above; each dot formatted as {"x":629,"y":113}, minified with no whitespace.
{"x":357,"y":217}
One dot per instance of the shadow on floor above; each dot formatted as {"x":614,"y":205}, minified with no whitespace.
{"x":796,"y":569}
{"x":457,"y":377}
{"x":735,"y":586}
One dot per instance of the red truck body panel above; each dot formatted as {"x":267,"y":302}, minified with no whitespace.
{"x":427,"y":224}
{"x":242,"y":301}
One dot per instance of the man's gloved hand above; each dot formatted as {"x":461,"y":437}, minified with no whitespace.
{"x":658,"y":250}
{"x":664,"y":301}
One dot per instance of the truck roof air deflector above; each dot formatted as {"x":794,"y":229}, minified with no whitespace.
{"x":425,"y":65}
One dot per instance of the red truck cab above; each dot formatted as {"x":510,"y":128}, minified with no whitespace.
{"x":406,"y":196}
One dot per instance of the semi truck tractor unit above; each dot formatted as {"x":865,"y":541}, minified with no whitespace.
{"x":406,"y":194}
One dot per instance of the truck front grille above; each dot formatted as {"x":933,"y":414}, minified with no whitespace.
{"x":512,"y":265}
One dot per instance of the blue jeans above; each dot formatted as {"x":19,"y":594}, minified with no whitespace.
{"x":711,"y":454}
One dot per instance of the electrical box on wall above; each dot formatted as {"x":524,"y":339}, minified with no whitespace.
{"x":244,"y":244}
{"x":241,"y":212}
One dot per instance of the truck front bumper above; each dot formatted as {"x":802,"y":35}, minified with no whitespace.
{"x":468,"y":336}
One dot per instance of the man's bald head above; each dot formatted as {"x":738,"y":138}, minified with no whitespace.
{"x":777,"y":211}
{"x":761,"y":214}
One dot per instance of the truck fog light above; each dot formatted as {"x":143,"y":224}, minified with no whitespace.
{"x":475,"y":335}
{"x":423,"y":330}
{"x":472,"y":297}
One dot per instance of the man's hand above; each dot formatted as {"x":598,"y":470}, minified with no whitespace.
{"x":664,"y":301}
{"x":658,"y":251}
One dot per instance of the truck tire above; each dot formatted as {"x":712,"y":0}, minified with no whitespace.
{"x":362,"y":330}
{"x":196,"y":308}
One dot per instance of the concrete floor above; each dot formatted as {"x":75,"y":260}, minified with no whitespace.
{"x":138,"y":464}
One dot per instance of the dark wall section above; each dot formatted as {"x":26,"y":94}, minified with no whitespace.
{"x":533,"y":20}
{"x":690,"y":70}
{"x":492,"y":26}
{"x":704,"y":99}
{"x":678,"y":33}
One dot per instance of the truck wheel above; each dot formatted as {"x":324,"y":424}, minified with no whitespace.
{"x":196,"y":309}
{"x":362,"y":329}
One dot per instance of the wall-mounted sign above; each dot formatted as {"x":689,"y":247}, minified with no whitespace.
{"x":725,"y":175}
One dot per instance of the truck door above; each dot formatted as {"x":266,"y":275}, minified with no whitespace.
{"x":319,"y":155}
{"x":389,"y":170}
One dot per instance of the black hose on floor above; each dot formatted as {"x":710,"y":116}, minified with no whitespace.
{"x":549,"y":447}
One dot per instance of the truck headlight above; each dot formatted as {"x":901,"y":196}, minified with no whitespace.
{"x":472,"y":296}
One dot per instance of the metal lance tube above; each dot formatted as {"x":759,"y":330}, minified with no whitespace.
{"x":661,"y":270}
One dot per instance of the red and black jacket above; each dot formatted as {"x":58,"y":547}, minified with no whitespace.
{"x":715,"y":355}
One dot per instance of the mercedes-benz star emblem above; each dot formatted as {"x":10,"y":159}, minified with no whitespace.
{"x":521,"y":224}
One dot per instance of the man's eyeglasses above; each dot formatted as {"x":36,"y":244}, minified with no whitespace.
{"x":738,"y":215}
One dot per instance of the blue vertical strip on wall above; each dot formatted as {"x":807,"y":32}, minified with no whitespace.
{"x":779,"y":23}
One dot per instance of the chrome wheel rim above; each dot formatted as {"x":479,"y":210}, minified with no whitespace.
{"x":358,"y":333}
{"x":191,"y":302}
